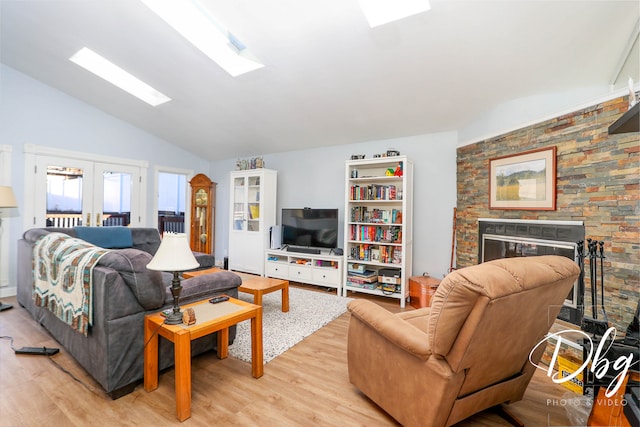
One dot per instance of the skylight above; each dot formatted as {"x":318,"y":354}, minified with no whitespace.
{"x":198,"y":26}
{"x":379,"y":12}
{"x":91,"y":61}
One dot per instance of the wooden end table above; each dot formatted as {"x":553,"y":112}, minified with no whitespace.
{"x":210,"y":318}
{"x":254,"y":285}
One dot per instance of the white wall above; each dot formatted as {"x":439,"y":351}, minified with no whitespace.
{"x":522,"y":112}
{"x":34,"y":113}
{"x":315,"y":178}
{"x":7,"y":287}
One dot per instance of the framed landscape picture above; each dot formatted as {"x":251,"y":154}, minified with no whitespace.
{"x":525,"y":181}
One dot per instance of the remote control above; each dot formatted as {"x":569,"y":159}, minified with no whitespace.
{"x":44,"y":351}
{"x":221,"y":298}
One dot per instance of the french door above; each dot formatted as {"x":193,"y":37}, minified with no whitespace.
{"x":73,"y":192}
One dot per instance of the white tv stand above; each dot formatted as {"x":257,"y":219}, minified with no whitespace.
{"x":315,"y":269}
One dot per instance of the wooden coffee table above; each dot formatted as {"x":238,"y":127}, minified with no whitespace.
{"x":210,"y":318}
{"x":254,"y":285}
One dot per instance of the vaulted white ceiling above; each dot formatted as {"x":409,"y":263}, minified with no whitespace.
{"x":328,"y":78}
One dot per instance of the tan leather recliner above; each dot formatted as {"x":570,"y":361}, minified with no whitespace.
{"x":469,"y":351}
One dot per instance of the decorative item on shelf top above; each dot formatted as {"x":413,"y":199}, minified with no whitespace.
{"x":389,"y":153}
{"x":398,"y":171}
{"x":357,"y":156}
{"x":254,"y":163}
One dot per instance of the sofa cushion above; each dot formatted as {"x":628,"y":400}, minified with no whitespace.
{"x":146,"y":239}
{"x":106,"y":237}
{"x":145,"y":284}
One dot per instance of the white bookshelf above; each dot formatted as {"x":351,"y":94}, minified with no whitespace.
{"x":378,"y":229}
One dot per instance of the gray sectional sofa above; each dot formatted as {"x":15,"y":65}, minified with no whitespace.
{"x":124,"y":291}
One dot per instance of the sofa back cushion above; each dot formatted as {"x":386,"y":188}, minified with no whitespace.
{"x":106,"y":237}
{"x":34,"y":234}
{"x":131,"y":264}
{"x":146,"y":239}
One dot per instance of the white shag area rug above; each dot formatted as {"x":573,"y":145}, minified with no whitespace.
{"x":308,"y":312}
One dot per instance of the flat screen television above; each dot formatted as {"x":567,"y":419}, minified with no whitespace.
{"x":310,"y":228}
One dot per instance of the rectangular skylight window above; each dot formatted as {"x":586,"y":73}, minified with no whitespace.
{"x":198,"y":26}
{"x":91,"y":61}
{"x":379,"y":12}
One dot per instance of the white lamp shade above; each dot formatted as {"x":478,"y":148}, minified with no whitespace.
{"x":174,"y":254}
{"x":7,"y":198}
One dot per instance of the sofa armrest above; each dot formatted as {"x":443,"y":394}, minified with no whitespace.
{"x":206,"y":285}
{"x":392,"y":327}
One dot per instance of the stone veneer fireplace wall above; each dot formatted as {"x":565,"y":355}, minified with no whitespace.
{"x":598,"y":182}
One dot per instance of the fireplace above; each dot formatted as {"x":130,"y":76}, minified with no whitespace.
{"x":507,"y":238}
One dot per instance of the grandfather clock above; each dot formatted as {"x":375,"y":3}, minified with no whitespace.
{"x":203,"y":197}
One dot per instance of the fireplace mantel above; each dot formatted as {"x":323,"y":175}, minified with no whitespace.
{"x":531,"y":221}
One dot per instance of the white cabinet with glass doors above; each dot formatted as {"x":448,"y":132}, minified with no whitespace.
{"x":253,"y":213}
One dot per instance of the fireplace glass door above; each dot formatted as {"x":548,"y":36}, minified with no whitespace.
{"x":495,"y":247}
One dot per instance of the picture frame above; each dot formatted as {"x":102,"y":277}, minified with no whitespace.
{"x":524,"y":181}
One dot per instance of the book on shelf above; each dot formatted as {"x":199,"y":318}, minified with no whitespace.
{"x":373,"y":192}
{"x":391,"y":255}
{"x":375,"y":215}
{"x":357,"y":279}
{"x":364,"y":274}
{"x":363,"y":285}
{"x":376,"y":233}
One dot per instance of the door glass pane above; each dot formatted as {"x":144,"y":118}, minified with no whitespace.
{"x":116,"y":206}
{"x":172,"y":190}
{"x":64,"y":196}
{"x":254,"y":204}
{"x":239,"y":204}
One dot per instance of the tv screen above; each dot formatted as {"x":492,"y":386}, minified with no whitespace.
{"x":306,"y":227}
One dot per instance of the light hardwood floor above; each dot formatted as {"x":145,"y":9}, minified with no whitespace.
{"x":306,"y":386}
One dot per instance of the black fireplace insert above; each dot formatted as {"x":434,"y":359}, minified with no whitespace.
{"x":504,"y":238}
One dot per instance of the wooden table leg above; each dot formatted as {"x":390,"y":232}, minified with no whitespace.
{"x":223,"y":343}
{"x":182,"y":354}
{"x":257,"y":298}
{"x":257,"y":367}
{"x":285,"y":298}
{"x":150,"y":356}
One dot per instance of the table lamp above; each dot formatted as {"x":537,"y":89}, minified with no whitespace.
{"x":7,"y":200}
{"x":174,"y":255}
